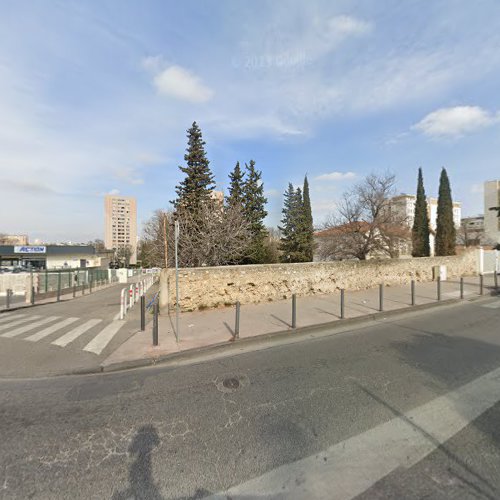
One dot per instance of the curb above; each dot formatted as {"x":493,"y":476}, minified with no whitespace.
{"x":298,"y":334}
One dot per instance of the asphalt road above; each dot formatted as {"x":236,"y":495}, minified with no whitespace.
{"x":406,"y":407}
{"x":64,"y":337}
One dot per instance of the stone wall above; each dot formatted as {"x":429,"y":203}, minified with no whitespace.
{"x":209,"y":287}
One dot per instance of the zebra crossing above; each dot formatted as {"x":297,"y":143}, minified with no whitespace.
{"x":59,"y":331}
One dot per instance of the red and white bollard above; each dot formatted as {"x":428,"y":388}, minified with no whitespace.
{"x":130,"y":296}
{"x":123,"y":304}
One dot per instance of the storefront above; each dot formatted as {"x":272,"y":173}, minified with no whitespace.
{"x":48,"y":256}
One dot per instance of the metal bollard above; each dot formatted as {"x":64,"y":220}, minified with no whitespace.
{"x":155,"y":325}
{"x":439,"y":287}
{"x":74,"y":290}
{"x":412,"y":288}
{"x":381,"y":297}
{"x":130,"y":296}
{"x":32,"y":295}
{"x":90,"y":285}
{"x":7,"y":298}
{"x":123,"y":303}
{"x":462,"y":287}
{"x":59,"y":287}
{"x":342,"y":303}
{"x":143,"y":313}
{"x":237,"y":322}
{"x":481,"y":284}
{"x":495,"y":277}
{"x":294,"y":311}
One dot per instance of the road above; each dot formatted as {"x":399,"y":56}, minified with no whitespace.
{"x":64,"y":337}
{"x":406,"y":407}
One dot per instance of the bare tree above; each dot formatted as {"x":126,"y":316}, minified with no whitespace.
{"x":213,"y":236}
{"x":123,"y":254}
{"x":364,"y":223}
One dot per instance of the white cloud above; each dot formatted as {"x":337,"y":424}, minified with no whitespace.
{"x":180,"y":83}
{"x":336,"y":176}
{"x":455,"y":122}
{"x":269,"y":193}
{"x":347,"y":26}
{"x":114,"y":191}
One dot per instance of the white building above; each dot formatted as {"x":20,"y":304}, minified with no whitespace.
{"x":403,"y":208}
{"x":491,"y":219}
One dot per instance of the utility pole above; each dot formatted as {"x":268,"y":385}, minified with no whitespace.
{"x":165,"y":239}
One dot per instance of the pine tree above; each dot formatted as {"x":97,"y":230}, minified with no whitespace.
{"x":254,"y":203}
{"x":445,"y":227}
{"x":293,"y":243}
{"x":236,"y":185}
{"x":308,"y":222}
{"x":199,"y":181}
{"x":420,"y":230}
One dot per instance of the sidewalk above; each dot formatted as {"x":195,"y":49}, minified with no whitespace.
{"x":204,"y":328}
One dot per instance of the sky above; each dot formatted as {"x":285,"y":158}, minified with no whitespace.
{"x":96,"y":98}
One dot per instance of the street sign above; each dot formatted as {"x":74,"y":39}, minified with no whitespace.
{"x":30,"y":249}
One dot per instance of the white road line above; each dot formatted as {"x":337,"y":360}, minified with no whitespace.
{"x":31,"y":326}
{"x":9,"y":317}
{"x":51,"y":329}
{"x":349,"y":468}
{"x":102,"y":339}
{"x":17,"y":322}
{"x":116,"y":316}
{"x":75,"y":333}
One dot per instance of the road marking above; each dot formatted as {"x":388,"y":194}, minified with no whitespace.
{"x":51,"y":329}
{"x":102,"y":339}
{"x":31,"y":326}
{"x":75,"y":333}
{"x":7,"y":317}
{"x":492,"y":305}
{"x":17,"y":322}
{"x":116,"y":316}
{"x":349,"y":468}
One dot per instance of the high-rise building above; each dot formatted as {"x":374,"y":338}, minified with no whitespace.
{"x":120,"y":224}
{"x":491,"y":219}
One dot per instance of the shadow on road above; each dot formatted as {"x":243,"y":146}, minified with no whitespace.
{"x":142,"y":485}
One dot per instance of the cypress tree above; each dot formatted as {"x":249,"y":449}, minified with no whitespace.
{"x":308,"y":222}
{"x":236,"y":186}
{"x":293,"y":244}
{"x":420,"y":230}
{"x":445,"y":227}
{"x":254,"y":203}
{"x":199,"y":180}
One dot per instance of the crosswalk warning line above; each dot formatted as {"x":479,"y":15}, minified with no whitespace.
{"x":50,"y":329}
{"x":18,"y":322}
{"x":102,"y":339}
{"x":10,"y":317}
{"x":31,"y":326}
{"x":76,"y":332}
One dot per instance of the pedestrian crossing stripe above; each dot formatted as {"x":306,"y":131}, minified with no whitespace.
{"x":9,"y":317}
{"x":17,"y":322}
{"x":51,"y":329}
{"x":76,"y":332}
{"x":26,"y":328}
{"x":102,"y":339}
{"x":24,"y":325}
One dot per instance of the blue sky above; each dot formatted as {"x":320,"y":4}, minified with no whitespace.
{"x":96,"y":97}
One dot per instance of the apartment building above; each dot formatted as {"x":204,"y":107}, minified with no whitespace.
{"x":120,"y":224}
{"x":491,"y":219}
{"x":403,"y":208}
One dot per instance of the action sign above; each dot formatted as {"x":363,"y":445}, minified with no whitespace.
{"x":30,"y":249}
